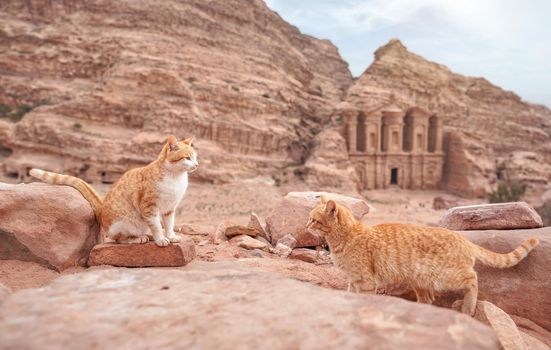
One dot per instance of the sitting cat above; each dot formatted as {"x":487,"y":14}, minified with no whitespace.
{"x":429,"y":259}
{"x":142,"y":198}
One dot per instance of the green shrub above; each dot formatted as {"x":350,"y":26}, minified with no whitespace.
{"x":507,"y":192}
{"x":235,"y":88}
{"x":21,"y":111}
{"x":77,"y":126}
{"x":5,"y":110}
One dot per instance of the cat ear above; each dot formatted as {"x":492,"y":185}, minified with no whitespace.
{"x":188,"y":141}
{"x":172,"y":143}
{"x":323,"y":199}
{"x":331,"y":208}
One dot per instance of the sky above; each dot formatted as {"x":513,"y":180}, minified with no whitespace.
{"x":507,"y":42}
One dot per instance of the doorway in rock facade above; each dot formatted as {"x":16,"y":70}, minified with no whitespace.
{"x":394,"y":176}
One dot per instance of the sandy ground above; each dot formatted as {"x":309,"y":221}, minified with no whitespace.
{"x":206,"y":205}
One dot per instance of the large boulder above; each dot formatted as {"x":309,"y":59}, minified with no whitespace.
{"x":206,"y":306}
{"x":51,"y":225}
{"x":522,"y":290}
{"x":143,"y":255}
{"x":291,"y":216}
{"x":497,"y":216}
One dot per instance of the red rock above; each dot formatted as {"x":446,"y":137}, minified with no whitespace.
{"x":254,"y":222}
{"x":51,"y":225}
{"x":288,"y":240}
{"x":203,"y":306}
{"x":247,"y":242}
{"x":532,"y":343}
{"x":499,"y":216}
{"x":505,"y":329}
{"x":143,"y":255}
{"x":219,"y":235}
{"x":305,"y":254}
{"x":282,"y":250}
{"x":518,"y":290}
{"x":495,"y":127}
{"x":85,"y":128}
{"x":291,"y":216}
{"x":532,"y":329}
{"x":263,"y":240}
{"x":237,"y":230}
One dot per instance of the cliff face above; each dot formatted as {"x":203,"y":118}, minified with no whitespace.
{"x":491,"y":132}
{"x":107,"y":81}
{"x":95,"y":86}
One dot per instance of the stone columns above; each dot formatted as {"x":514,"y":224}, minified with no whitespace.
{"x":372,"y":134}
{"x":419,"y":131}
{"x":352,"y":125}
{"x":393,"y":119}
{"x":438,"y":147}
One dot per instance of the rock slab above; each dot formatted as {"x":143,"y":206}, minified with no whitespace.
{"x":521,"y":290}
{"x":291,"y":216}
{"x":50,"y":225}
{"x":205,"y":306}
{"x":509,"y":336}
{"x":247,"y":242}
{"x":498,"y":216}
{"x":143,"y":255}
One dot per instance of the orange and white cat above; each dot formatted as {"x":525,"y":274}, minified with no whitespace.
{"x":143,"y":199}
{"x":429,"y":259}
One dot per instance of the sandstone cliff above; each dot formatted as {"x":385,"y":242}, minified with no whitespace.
{"x":105,"y":82}
{"x":491,"y":132}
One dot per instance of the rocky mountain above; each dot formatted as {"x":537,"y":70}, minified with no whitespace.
{"x":93,"y":87}
{"x":491,"y":133}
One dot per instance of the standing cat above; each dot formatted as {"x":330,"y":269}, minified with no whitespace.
{"x":142,"y":199}
{"x":429,"y":259}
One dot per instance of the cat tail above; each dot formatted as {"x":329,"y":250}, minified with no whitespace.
{"x":501,"y":261}
{"x":80,"y":185}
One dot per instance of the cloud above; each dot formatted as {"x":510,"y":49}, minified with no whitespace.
{"x":506,"y":41}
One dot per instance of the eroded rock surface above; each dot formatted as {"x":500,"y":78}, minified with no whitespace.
{"x":291,"y":216}
{"x":212,"y":307}
{"x":491,"y":133}
{"x":498,"y":216}
{"x":507,"y":332}
{"x":143,"y":255}
{"x":107,"y":82}
{"x":519,"y":290}
{"x":51,"y":225}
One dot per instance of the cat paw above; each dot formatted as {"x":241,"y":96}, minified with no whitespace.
{"x":175,"y":238}
{"x":162,"y":242}
{"x":143,"y":239}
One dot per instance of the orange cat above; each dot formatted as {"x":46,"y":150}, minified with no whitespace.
{"x":429,"y":259}
{"x":142,"y":198}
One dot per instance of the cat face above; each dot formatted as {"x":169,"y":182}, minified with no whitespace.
{"x":180,"y":155}
{"x":323,"y":217}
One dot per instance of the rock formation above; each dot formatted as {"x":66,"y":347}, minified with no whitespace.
{"x":91,"y":88}
{"x":106,"y":82}
{"x":51,"y":225}
{"x":218,"y":306}
{"x":496,"y":216}
{"x":491,"y":133}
